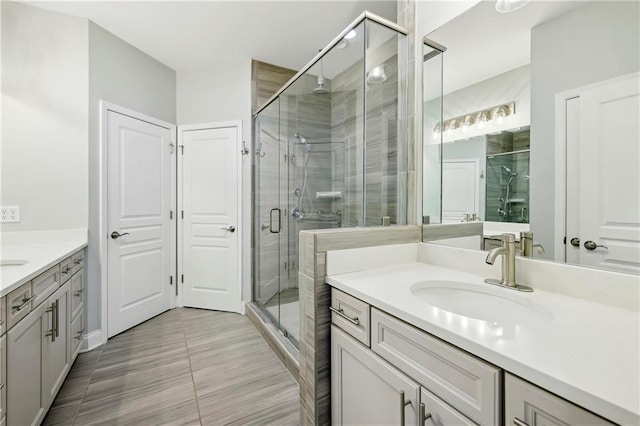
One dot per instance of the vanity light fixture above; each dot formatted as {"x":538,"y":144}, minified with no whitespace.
{"x":506,"y":6}
{"x":437,"y":131}
{"x":479,"y":119}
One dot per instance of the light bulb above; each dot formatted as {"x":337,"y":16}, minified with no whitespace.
{"x":482,"y":120}
{"x":500,"y":115}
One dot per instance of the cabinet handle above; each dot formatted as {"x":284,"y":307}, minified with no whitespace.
{"x":341,"y":313}
{"x":518,"y":422}
{"x":79,"y":261}
{"x":25,"y":302}
{"x":422,"y":413}
{"x":1,"y":323}
{"x":65,"y":271}
{"x":57,"y":318}
{"x":403,"y":404}
{"x":78,"y":293}
{"x":79,"y":336}
{"x":2,"y":386}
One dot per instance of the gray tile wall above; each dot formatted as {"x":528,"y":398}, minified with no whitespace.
{"x":315,"y":298}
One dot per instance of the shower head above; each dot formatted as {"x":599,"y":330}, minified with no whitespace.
{"x":301,"y":138}
{"x":320,"y":90}
{"x":508,"y":170}
{"x":302,"y":141}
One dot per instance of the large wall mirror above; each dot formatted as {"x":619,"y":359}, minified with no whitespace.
{"x":531,"y":123}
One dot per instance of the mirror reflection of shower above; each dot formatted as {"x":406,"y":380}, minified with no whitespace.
{"x":505,"y":210}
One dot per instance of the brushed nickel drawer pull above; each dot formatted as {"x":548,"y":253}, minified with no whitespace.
{"x":25,"y":302}
{"x":423,"y":416}
{"x":78,"y":292}
{"x":2,"y":386}
{"x":79,"y":261}
{"x":403,"y":404}
{"x":65,"y":271}
{"x":79,"y":336}
{"x":341,"y":313}
{"x":518,"y":422}
{"x":1,"y":323}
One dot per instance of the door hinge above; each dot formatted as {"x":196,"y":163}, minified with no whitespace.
{"x":181,"y":278}
{"x":170,"y":279}
{"x":182,"y":214}
{"x":170,"y":214}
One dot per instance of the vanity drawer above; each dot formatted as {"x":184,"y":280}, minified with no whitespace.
{"x":77,"y":330}
{"x":66,"y":269}
{"x":3,"y":316}
{"x":18,"y":304}
{"x":534,"y":406}
{"x":77,"y":261}
{"x":77,"y":294}
{"x":441,"y":413}
{"x":351,"y":315}
{"x":45,"y":284}
{"x":461,"y":380}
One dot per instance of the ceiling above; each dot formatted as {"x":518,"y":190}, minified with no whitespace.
{"x":482,"y":43}
{"x":189,"y":35}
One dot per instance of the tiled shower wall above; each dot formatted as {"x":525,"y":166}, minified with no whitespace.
{"x":380,"y":155}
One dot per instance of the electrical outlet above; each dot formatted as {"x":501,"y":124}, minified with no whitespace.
{"x":9,"y":214}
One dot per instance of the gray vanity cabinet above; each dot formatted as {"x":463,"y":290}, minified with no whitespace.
{"x":39,"y":356}
{"x":529,"y":405}
{"x":26,"y":402}
{"x":367,"y":390}
{"x":57,"y":350}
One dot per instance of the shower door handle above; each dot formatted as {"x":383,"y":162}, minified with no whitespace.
{"x":279,"y":215}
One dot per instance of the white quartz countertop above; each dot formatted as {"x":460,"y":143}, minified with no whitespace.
{"x":583,"y":351}
{"x":40,"y":254}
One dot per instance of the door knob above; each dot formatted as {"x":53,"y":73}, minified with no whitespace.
{"x":115,"y":235}
{"x":230,"y":228}
{"x":575,"y":241}
{"x":590,"y":245}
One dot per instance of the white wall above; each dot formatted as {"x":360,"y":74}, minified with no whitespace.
{"x":121,"y":74}
{"x":595,"y":42}
{"x":43,"y":155}
{"x":217,"y":94}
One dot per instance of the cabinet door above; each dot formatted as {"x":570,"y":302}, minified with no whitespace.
{"x":3,"y":376}
{"x":77,"y":331}
{"x":25,"y":400}
{"x":527,"y":404}
{"x":57,"y":348}
{"x":365,"y":389}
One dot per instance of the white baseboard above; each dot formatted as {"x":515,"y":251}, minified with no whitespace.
{"x":91,"y":341}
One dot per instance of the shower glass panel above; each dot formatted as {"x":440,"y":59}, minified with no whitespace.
{"x":432,"y":133}
{"x":317,"y":162}
{"x":267,"y":221}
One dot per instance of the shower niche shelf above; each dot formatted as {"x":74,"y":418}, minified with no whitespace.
{"x":329,"y":194}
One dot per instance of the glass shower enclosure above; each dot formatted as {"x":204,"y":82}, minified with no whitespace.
{"x":330,"y":151}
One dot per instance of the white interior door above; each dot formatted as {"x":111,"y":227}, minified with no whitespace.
{"x":610,"y":176}
{"x":460,"y":189}
{"x":210,"y":188}
{"x":139,"y":202}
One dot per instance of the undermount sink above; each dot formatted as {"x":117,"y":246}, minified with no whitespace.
{"x":490,"y":304}
{"x":13,"y":262}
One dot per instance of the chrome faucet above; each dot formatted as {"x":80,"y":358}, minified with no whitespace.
{"x":527,"y":245}
{"x":508,"y":253}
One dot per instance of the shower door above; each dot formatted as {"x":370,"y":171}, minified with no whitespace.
{"x":267,"y":214}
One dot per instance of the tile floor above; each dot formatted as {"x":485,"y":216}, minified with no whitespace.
{"x":186,"y":367}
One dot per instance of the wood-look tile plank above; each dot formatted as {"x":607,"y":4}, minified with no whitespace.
{"x":166,"y":370}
